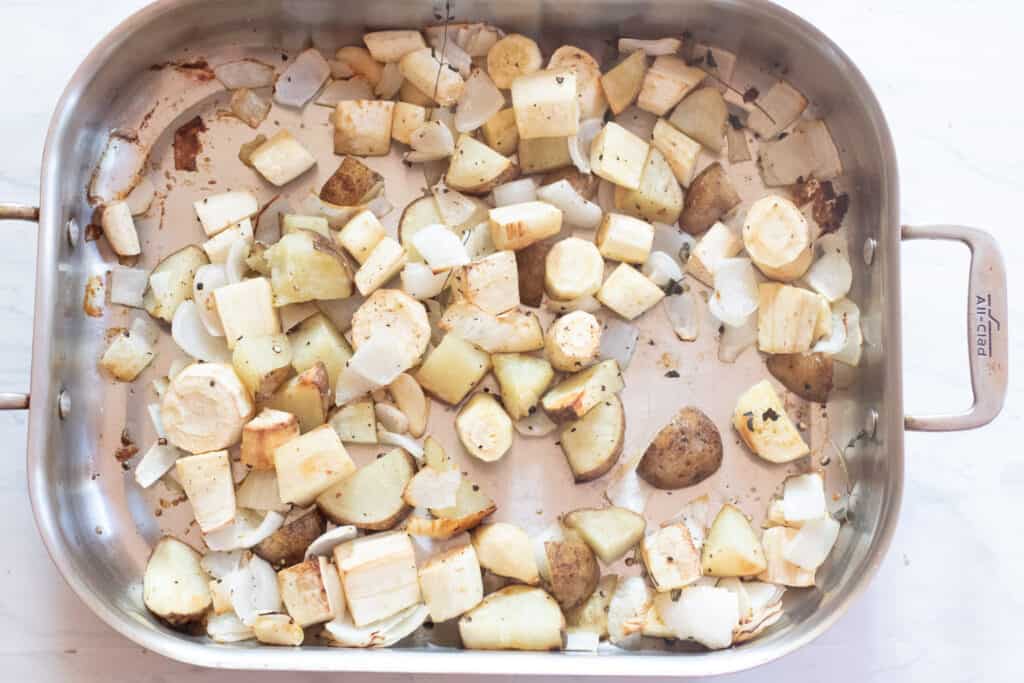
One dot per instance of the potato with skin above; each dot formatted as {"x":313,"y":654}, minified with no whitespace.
{"x":475,"y":168}
{"x":371,"y":497}
{"x":574,"y":570}
{"x":573,"y":341}
{"x":514,"y":618}
{"x":523,"y":379}
{"x":622,"y":84}
{"x":540,"y":155}
{"x":593,"y":444}
{"x":592,"y":614}
{"x":711,"y":196}
{"x":501,"y":133}
{"x":808,"y":375}
{"x":306,"y":396}
{"x":173,"y":278}
{"x":263,"y":434}
{"x":703,"y":116}
{"x":174,"y":587}
{"x":659,"y":199}
{"x":684,"y":453}
{"x":353,"y":183}
{"x":732,"y":548}
{"x":504,"y":549}
{"x":573,"y":397}
{"x":287,"y":545}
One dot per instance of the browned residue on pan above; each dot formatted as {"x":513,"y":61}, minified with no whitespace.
{"x":196,"y":68}
{"x":187,"y":144}
{"x":92,"y":302}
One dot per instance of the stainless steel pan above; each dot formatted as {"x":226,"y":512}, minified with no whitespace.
{"x":98,"y":528}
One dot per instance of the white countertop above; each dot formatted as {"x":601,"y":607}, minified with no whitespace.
{"x":944,"y":605}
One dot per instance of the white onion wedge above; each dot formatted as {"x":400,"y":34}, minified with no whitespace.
{"x":662,"y":268}
{"x":516,"y":192}
{"x":683,"y":314}
{"x":762,"y":595}
{"x":538,"y":424}
{"x":480,"y":100}
{"x":380,"y":206}
{"x":301,"y":80}
{"x":577,"y":640}
{"x":430,"y":142}
{"x":554,"y":533}
{"x":626,"y":489}
{"x":245,"y":73}
{"x":736,"y":293}
{"x":449,"y":52}
{"x":850,"y":314}
{"x":674,"y":242}
{"x":236,"y":267}
{"x":228,"y":628}
{"x":803,"y":498}
{"x":420,"y":281}
{"x":382,"y":633}
{"x":627,"y":610}
{"x":247,"y":530}
{"x":618,"y":341}
{"x":705,"y":614}
{"x":695,"y":516}
{"x":157,"y":419}
{"x":831,"y":276}
{"x":576,"y":211}
{"x":324,"y":544}
{"x":390,"y":81}
{"x":356,"y":88}
{"x":207,"y":280}
{"x":157,"y":462}
{"x":403,"y":441}
{"x":219,"y":564}
{"x":127,"y":285}
{"x":192,"y":337}
{"x":141,"y":197}
{"x":455,"y":208}
{"x":736,"y":339}
{"x":119,"y":170}
{"x":478,"y":241}
{"x":812,"y":544}
{"x":652,"y":48}
{"x":835,"y":342}
{"x":440,"y":247}
{"x":579,"y":144}
{"x":293,"y":314}
{"x":253,"y":589}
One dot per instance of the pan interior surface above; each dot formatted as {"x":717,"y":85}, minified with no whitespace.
{"x":100,"y":527}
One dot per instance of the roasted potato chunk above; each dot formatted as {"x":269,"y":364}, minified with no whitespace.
{"x":685,"y":452}
{"x":808,"y":375}
{"x":352,"y":184}
{"x":711,"y":196}
{"x":287,"y":545}
{"x":371,"y":497}
{"x":593,"y":444}
{"x":574,"y":570}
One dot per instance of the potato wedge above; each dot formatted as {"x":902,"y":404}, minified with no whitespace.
{"x":174,"y":586}
{"x":671,"y":558}
{"x":281,"y":159}
{"x":531,"y":263}
{"x":622,"y":84}
{"x":384,"y":262}
{"x":711,"y":196}
{"x":451,"y":583}
{"x":263,"y":363}
{"x":363,"y":127}
{"x":471,"y":507}
{"x":306,"y":396}
{"x":511,"y":332}
{"x":306,"y":266}
{"x":732,"y":548}
{"x":475,"y":168}
{"x":666,"y":82}
{"x":573,"y":397}
{"x":514,"y":618}
{"x":628,"y":292}
{"x":391,"y":46}
{"x":310,"y":464}
{"x":703,"y":116}
{"x":170,"y":283}
{"x":492,"y":283}
{"x":592,"y":614}
{"x":593,"y":443}
{"x":501,"y":133}
{"x":658,"y":199}
{"x":680,"y":150}
{"x":352,"y":184}
{"x":545,"y":104}
{"x":766,"y":429}
{"x":316,"y":339}
{"x":371,"y":497}
{"x":573,"y":341}
{"x":246,"y":309}
{"x":573,"y":568}
{"x":263,"y":434}
{"x":618,"y":156}
{"x":452,"y":369}
{"x":484,"y":428}
{"x":684,"y":452}
{"x":808,"y":375}
{"x":517,"y":226}
{"x":355,"y":422}
{"x":287,"y":546}
{"x":610,"y":532}
{"x":523,"y":379}
{"x":505,"y":549}
{"x":540,"y":155}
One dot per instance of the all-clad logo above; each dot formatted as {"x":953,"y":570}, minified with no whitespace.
{"x":985,"y":324}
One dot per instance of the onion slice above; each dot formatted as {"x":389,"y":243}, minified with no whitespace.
{"x":236,"y":267}
{"x":406,"y":443}
{"x":831,"y":276}
{"x":736,"y":291}
{"x":381,"y":633}
{"x":141,"y":197}
{"x":538,"y":424}
{"x":245,"y":531}
{"x":245,"y":73}
{"x":661,"y":269}
{"x":157,"y":462}
{"x":420,"y":281}
{"x":301,"y":80}
{"x":579,"y":144}
{"x":127,"y":286}
{"x":191,"y":335}
{"x":683,"y":314}
{"x":207,"y":280}
{"x":850,"y":315}
{"x":736,"y":339}
{"x":253,"y":589}
{"x":627,"y":490}
{"x":480,"y":100}
{"x":430,"y":142}
{"x":390,"y":81}
{"x":618,"y":341}
{"x":355,"y":88}
{"x":803,"y":498}
{"x":227,"y":628}
{"x":325,"y":543}
{"x":516,"y":192}
{"x":449,"y":52}
{"x":812,"y":544}
{"x":219,"y":564}
{"x":706,"y":614}
{"x":576,"y":211}
{"x":836,"y":341}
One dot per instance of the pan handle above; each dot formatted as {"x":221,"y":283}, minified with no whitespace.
{"x":987,"y":332}
{"x":16,"y":212}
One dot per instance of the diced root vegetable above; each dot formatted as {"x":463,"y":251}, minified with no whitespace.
{"x":302,"y":79}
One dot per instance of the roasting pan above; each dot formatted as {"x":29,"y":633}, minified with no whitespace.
{"x":99,"y":528}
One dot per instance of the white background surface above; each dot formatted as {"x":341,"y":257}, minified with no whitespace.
{"x":946,"y":603}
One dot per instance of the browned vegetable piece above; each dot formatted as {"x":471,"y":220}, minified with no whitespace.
{"x":808,"y":375}
{"x":685,"y":452}
{"x":574,"y":570}
{"x":352,"y":184}
{"x":531,"y":264}
{"x":711,"y":196}
{"x":287,"y":545}
{"x":584,"y":183}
